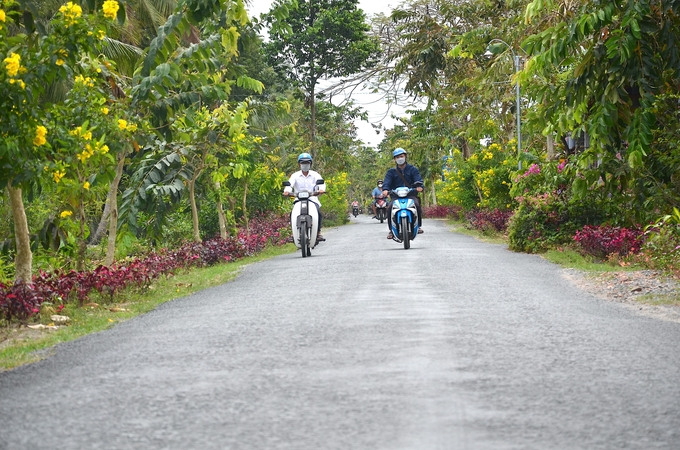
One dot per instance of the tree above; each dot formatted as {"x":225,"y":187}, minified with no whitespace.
{"x":31,"y":61}
{"x":327,"y":38}
{"x":617,"y":62}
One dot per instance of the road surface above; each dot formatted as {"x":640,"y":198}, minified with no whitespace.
{"x":453,"y":344}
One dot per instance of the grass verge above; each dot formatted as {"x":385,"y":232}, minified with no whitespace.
{"x":22,"y":345}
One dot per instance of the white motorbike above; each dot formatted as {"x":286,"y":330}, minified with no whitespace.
{"x":304,"y":219}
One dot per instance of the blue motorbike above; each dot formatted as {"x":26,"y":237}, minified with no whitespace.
{"x":404,"y":216}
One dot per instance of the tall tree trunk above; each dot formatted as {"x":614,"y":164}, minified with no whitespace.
{"x":220,"y":213}
{"x":103,"y":221}
{"x":434,"y":192}
{"x":551,"y":148}
{"x":465,"y":149}
{"x":194,"y":209}
{"x":313,"y":116}
{"x":232,"y":208}
{"x":112,"y":203}
{"x":245,"y":211}
{"x":82,"y":244}
{"x":23,"y":261}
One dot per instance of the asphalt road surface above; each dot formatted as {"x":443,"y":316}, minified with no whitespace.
{"x":453,"y":344}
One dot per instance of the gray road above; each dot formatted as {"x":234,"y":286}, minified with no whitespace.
{"x":453,"y":344}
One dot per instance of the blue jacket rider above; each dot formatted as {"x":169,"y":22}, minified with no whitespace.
{"x":393,"y":179}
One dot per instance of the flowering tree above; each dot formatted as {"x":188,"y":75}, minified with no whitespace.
{"x":30,"y":63}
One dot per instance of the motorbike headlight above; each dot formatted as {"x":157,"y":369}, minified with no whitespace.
{"x":303,"y":194}
{"x":402,"y":191}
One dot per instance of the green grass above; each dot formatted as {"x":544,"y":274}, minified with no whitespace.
{"x":572,"y":259}
{"x":459,"y":227}
{"x":20,"y":346}
{"x":660,"y":300}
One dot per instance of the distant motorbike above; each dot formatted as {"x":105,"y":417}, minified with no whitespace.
{"x":304,"y":219}
{"x":381,"y":208}
{"x":355,"y":209}
{"x":404,"y":216}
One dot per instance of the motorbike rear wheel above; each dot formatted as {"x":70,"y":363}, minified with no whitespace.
{"x":405,"y":233}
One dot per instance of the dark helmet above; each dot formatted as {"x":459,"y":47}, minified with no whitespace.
{"x":379,"y":181}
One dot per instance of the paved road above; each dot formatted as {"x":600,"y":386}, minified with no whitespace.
{"x":453,"y":344}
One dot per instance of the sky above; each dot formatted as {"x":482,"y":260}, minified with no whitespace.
{"x":378,"y":110}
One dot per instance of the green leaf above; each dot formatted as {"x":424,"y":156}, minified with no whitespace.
{"x":579,"y":187}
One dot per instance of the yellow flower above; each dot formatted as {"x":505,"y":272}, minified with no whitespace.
{"x":59,"y":62}
{"x":19,"y":82}
{"x":65,"y":214}
{"x":40,"y":133}
{"x":76,"y":131}
{"x":110,"y":9}
{"x":122,"y":124}
{"x":104,"y":148}
{"x":86,"y":185}
{"x":101,"y":34}
{"x":87,"y":136}
{"x":105,"y":110}
{"x":58,"y":175}
{"x":13,"y":63}
{"x":131,"y":128}
{"x":2,"y":15}
{"x":87,"y":81}
{"x":71,"y":12}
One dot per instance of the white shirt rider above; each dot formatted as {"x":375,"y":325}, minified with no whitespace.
{"x":301,"y":181}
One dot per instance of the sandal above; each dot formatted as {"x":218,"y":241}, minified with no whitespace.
{"x":390,"y":235}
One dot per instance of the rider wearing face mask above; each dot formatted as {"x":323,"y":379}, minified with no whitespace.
{"x":377,"y":192}
{"x":406,"y":175}
{"x":305,"y":180}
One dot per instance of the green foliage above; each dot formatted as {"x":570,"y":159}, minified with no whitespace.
{"x":481,"y":181}
{"x":662,"y":246}
{"x":334,"y":202}
{"x":327,"y":39}
{"x":548,"y":213}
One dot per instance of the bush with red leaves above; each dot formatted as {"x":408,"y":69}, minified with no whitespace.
{"x":21,"y":301}
{"x":604,"y":240}
{"x":488,"y":220}
{"x":443,"y":211}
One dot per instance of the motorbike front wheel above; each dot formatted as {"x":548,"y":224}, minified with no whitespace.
{"x":304,"y":240}
{"x":405,"y":233}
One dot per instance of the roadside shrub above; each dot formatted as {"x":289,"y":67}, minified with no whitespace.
{"x":481,"y":181}
{"x":601,"y":241}
{"x":21,"y":301}
{"x":488,"y":220}
{"x":548,"y":213}
{"x":334,"y":203}
{"x":443,"y":211}
{"x":18,"y":302}
{"x":661,"y":249}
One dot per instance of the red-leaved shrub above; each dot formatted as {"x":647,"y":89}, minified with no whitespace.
{"x":488,"y":220}
{"x":442,"y":211}
{"x":21,"y":301}
{"x":604,"y":240}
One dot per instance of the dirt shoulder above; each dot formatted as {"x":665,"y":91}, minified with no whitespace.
{"x":647,"y":292}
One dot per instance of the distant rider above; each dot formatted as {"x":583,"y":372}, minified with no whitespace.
{"x":402,"y":175}
{"x":305,"y":180}
{"x":377,"y":192}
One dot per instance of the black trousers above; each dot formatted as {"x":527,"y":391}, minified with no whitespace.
{"x":418,"y":208}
